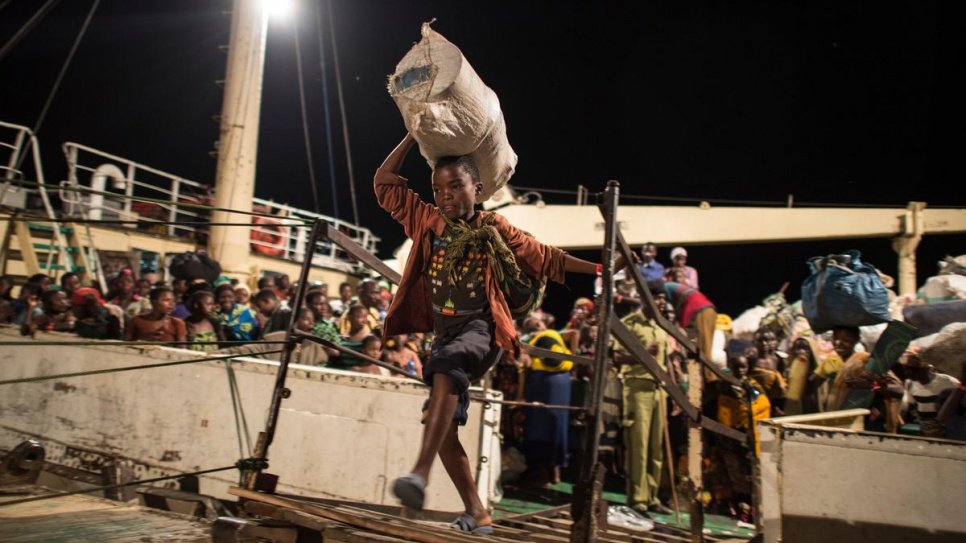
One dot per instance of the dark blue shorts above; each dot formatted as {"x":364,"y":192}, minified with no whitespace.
{"x":464,"y":354}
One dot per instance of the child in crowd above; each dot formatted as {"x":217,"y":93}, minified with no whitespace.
{"x":69,"y":282}
{"x":272,"y":315}
{"x":56,"y":316}
{"x":243,"y":295}
{"x":158,"y":324}
{"x":346,"y":292}
{"x":322,"y":326}
{"x":94,"y":321}
{"x":733,"y":455}
{"x":143,"y":287}
{"x":127,"y":298}
{"x":28,"y":303}
{"x":238,"y":321}
{"x":202,"y":325}
{"x":449,"y":286}
{"x":802,"y":394}
{"x":358,"y":319}
{"x":398,"y":352}
{"x":371,"y":347}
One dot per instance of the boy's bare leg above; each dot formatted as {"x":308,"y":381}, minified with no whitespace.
{"x":439,"y":418}
{"x":458,"y":467}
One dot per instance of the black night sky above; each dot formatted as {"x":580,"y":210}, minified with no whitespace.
{"x":848,"y":102}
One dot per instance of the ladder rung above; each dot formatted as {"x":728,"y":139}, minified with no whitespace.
{"x":48,"y":247}
{"x":43,"y":266}
{"x":48,"y":228}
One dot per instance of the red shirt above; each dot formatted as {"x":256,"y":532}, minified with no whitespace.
{"x":411,"y":309}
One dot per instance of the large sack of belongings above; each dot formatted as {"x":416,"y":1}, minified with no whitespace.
{"x":192,"y":265}
{"x":450,"y":111}
{"x":842,"y":290}
{"x":948,"y":349}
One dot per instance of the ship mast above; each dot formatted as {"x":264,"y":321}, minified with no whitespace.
{"x":238,"y":137}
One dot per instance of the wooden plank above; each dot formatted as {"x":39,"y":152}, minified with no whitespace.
{"x":411,"y":532}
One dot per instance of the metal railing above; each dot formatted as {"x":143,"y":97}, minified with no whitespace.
{"x":122,"y":185}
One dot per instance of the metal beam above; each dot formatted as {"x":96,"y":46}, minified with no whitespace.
{"x":579,"y":227}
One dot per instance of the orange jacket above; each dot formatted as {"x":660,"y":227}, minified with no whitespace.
{"x":411,"y":309}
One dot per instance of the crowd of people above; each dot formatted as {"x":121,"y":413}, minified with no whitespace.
{"x":223,"y":316}
{"x":783,"y":372}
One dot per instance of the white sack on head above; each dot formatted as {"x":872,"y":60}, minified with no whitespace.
{"x":450,"y":111}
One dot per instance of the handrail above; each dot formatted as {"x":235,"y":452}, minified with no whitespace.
{"x":273,"y":237}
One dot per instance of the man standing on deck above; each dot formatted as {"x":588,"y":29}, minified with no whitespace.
{"x":643,"y":417}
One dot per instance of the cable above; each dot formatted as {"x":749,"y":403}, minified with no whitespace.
{"x":63,"y":69}
{"x":200,"y":207}
{"x":27,"y":27}
{"x":40,"y":378}
{"x":305,"y":121}
{"x":112,"y":487}
{"x":138,"y":222}
{"x":112,"y":343}
{"x":345,"y":120}
{"x":328,"y":117}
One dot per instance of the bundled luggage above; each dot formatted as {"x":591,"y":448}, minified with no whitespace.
{"x":450,"y":111}
{"x":842,"y":290}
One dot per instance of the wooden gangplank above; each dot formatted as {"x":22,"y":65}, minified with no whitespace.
{"x":344,"y":523}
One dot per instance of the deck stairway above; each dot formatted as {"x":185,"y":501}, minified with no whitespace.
{"x":30,"y":248}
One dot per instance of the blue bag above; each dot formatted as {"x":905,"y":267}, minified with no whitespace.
{"x":843,"y":291}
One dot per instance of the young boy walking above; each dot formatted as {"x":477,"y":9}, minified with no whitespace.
{"x":450,"y":286}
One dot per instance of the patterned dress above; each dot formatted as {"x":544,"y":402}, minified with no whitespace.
{"x":240,"y":324}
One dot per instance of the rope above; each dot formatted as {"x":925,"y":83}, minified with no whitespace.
{"x":241,"y":425}
{"x":126,"y":368}
{"x":112,"y":487}
{"x":305,"y":120}
{"x":63,"y":69}
{"x":27,"y":27}
{"x":149,"y":200}
{"x":345,"y":120}
{"x":328,"y":116}
{"x":111,"y":343}
{"x":140,"y":222}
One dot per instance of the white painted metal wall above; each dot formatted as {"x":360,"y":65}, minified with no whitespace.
{"x":828,"y":484}
{"x":340,"y":435}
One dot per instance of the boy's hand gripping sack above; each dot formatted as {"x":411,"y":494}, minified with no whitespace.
{"x":450,"y":111}
{"x":843,"y":291}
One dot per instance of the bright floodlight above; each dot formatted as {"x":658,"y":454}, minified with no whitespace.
{"x":278,"y":9}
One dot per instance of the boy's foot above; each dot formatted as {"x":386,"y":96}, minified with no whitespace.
{"x":411,"y":490}
{"x":466,"y":523}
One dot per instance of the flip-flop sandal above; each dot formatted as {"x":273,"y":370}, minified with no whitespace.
{"x":466,"y":523}
{"x":411,"y":490}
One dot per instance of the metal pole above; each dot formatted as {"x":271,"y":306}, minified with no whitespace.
{"x":587,"y":495}
{"x":280,"y":392}
{"x":238,"y":137}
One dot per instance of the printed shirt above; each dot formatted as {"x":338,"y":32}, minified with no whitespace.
{"x":411,"y":310}
{"x":926,"y":397}
{"x":240,"y":323}
{"x":455,"y":302}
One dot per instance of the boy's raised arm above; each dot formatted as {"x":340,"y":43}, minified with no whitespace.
{"x":395,"y":159}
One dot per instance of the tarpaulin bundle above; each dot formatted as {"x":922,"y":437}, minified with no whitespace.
{"x":842,"y":290}
{"x":450,"y":111}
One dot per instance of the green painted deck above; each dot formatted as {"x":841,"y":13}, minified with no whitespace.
{"x":517,"y":501}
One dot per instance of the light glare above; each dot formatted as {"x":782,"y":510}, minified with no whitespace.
{"x":278,"y":9}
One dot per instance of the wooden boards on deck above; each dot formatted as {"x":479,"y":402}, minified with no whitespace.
{"x":342,"y":523}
